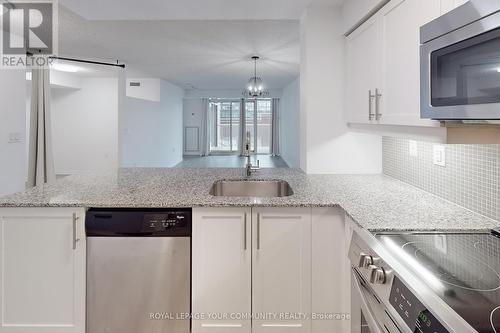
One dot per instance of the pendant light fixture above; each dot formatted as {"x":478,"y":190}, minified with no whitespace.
{"x":255,"y":87}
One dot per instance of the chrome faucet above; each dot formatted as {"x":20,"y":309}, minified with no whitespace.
{"x":249,"y":167}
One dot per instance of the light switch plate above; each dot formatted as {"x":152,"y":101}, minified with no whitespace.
{"x":413,"y":148}
{"x":439,"y":155}
{"x":15,"y":137}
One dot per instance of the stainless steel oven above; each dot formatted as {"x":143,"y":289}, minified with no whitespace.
{"x":368,"y":314}
{"x":460,"y":63}
{"x":405,"y":283}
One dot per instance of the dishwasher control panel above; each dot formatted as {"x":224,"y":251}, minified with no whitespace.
{"x":164,"y":221}
{"x":158,"y":222}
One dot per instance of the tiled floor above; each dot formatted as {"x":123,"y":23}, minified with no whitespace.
{"x":232,"y":161}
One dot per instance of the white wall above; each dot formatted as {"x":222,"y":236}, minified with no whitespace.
{"x":152,"y":131}
{"x":327,"y":145}
{"x":85,"y":126}
{"x":12,"y":120}
{"x":149,"y":89}
{"x":290,"y":124}
{"x":59,"y":79}
{"x":193,"y":118}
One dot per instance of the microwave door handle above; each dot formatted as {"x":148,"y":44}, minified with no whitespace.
{"x":369,"y":316}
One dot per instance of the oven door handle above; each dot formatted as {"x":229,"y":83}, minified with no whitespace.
{"x":367,"y":311}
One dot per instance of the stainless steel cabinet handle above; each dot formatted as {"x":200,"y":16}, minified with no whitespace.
{"x":378,"y":114}
{"x":258,"y":231}
{"x":245,"y":232}
{"x":370,"y":109}
{"x":75,"y":238}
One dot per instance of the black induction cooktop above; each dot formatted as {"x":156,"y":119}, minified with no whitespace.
{"x":463,"y":269}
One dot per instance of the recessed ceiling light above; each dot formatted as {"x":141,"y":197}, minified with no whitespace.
{"x":65,"y":68}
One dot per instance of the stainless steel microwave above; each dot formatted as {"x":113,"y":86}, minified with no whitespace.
{"x":460,"y":63}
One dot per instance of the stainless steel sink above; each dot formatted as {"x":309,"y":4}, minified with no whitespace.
{"x":251,"y":188}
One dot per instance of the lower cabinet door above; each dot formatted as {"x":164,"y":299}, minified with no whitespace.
{"x":281,"y":274}
{"x":42,"y":270}
{"x":221,"y":270}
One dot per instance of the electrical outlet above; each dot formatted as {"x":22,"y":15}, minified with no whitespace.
{"x":439,"y":155}
{"x":413,"y":148}
{"x":440,"y":243}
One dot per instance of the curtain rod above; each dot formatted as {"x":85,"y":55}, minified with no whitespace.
{"x":84,"y":61}
{"x":89,"y":61}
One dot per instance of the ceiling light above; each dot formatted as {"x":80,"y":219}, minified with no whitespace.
{"x":65,"y":67}
{"x":255,"y":84}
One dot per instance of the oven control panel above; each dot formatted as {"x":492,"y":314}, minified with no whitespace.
{"x":413,"y":312}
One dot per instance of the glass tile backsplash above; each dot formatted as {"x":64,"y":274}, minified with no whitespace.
{"x":470,"y":176}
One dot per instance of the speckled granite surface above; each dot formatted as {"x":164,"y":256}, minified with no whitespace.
{"x":376,"y":202}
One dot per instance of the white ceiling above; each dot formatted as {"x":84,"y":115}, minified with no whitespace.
{"x":208,"y":54}
{"x":190,"y":9}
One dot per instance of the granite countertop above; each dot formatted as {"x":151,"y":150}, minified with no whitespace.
{"x":375,"y":202}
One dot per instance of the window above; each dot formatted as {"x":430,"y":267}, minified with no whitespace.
{"x":225,"y":127}
{"x":224,"y":118}
{"x":259,"y":123}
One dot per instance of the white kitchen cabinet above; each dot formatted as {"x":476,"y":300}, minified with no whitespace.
{"x":330,"y":271}
{"x":281,"y":274}
{"x":400,"y":23}
{"x":363,"y":53}
{"x":42,"y":270}
{"x":387,"y":62}
{"x":355,"y":11}
{"x":294,"y":262}
{"x":221,"y":273}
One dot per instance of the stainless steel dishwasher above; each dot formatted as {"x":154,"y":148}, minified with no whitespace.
{"x":138,"y":270}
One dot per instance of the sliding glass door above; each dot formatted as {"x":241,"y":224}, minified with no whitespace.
{"x":225,"y":127}
{"x":259,"y":123}
{"x":224,"y":122}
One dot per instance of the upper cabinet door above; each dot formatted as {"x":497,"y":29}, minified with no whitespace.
{"x":354,"y":11}
{"x":221,"y":272}
{"x":281,"y":269}
{"x":400,"y":22}
{"x":42,"y":270}
{"x":362,"y":72}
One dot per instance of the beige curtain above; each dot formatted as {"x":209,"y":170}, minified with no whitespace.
{"x":243,"y":126}
{"x":205,"y":130}
{"x":40,"y":158}
{"x":275,"y":128}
